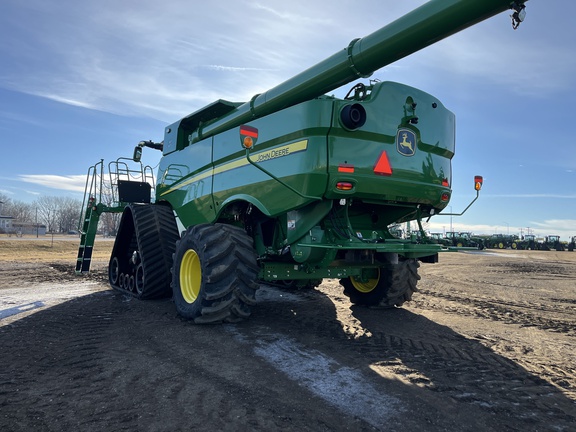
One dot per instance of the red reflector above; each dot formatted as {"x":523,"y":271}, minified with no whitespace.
{"x":445,"y":183}
{"x":346,"y":168}
{"x":383,"y":167}
{"x":445,"y":197}
{"x":344,"y":185}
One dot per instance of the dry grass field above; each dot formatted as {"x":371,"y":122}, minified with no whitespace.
{"x":46,"y":248}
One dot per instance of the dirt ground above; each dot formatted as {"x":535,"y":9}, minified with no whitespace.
{"x":486,"y":345}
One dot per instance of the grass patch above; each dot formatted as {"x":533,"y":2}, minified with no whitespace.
{"x":48,"y":249}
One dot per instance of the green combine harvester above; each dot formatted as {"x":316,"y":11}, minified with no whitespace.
{"x":292,"y":186}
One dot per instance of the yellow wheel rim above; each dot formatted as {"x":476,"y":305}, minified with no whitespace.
{"x":365,"y":287}
{"x":190,"y":276}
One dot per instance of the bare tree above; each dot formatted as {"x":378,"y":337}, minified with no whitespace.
{"x":109,"y":222}
{"x":48,"y":212}
{"x":19,"y":210}
{"x":68,"y":213}
{"x":4,"y":203}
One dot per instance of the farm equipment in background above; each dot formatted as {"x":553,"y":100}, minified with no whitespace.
{"x":464,"y":239}
{"x":551,"y":242}
{"x":502,"y":241}
{"x":572,"y":244}
{"x":439,"y":238}
{"x":294,"y":185}
{"x":528,"y":242}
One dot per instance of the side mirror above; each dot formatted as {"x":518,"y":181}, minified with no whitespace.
{"x":137,"y":154}
{"x":478,"y":180}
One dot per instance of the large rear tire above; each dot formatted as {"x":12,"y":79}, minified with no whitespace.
{"x":393,"y":286}
{"x":214,"y":275}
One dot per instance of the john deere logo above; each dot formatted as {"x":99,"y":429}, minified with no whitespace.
{"x":406,"y":142}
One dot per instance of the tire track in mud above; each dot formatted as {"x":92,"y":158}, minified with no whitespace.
{"x":108,"y":362}
{"x":396,"y":344}
{"x":554,"y":315}
{"x":61,"y":357}
{"x":525,"y":314}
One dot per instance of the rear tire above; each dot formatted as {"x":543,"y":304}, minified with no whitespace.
{"x":214,"y":275}
{"x":394,"y":285}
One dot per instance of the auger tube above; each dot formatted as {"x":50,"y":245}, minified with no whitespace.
{"x":418,"y":29}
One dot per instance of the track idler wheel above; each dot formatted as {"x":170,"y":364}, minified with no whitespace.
{"x":114,"y":271}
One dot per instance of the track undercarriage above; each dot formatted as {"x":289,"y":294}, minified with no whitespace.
{"x":142,"y":255}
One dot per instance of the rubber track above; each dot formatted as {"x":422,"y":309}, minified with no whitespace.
{"x":156,"y":234}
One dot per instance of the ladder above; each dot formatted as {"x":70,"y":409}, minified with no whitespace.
{"x":88,"y":235}
{"x":126,"y":184}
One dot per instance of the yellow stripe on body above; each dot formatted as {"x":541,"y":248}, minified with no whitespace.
{"x":262,"y":156}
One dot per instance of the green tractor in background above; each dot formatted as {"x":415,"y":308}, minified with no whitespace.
{"x":528,"y":242}
{"x":551,"y":242}
{"x":292,"y":186}
{"x":502,"y":241}
{"x":464,"y":240}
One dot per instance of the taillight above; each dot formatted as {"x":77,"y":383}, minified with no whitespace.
{"x":345,"y":186}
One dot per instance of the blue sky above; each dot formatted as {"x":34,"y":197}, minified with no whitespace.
{"x":81,"y":81}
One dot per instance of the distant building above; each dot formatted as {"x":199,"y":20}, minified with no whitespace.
{"x":28,"y":228}
{"x":5,"y":221}
{"x":9,"y":225}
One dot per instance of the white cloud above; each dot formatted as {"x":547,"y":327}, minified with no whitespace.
{"x":160,"y":62}
{"x":75,"y":183}
{"x":7,"y":192}
{"x":556,"y":224}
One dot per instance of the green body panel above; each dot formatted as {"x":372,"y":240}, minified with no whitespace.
{"x":187,"y":177}
{"x":311,"y":158}
{"x":415,"y":179}
{"x":219,"y":173}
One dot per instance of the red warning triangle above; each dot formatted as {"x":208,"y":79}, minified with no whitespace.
{"x":383,"y":167}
